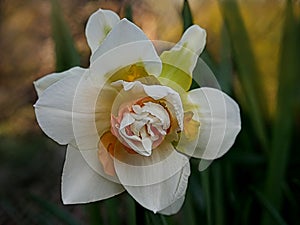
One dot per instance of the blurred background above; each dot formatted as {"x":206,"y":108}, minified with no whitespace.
{"x":253,"y":47}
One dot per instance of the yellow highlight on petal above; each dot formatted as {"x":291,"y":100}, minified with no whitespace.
{"x":136,"y":72}
{"x":178,"y":64}
{"x":190,"y":126}
{"x":129,"y":73}
{"x":176,"y":75}
{"x":106,"y":30}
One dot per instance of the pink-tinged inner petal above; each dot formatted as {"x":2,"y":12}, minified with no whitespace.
{"x":141,"y":125}
{"x":106,"y":152}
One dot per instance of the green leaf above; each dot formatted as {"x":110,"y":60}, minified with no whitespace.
{"x":152,"y":218}
{"x":141,"y":214}
{"x":226,"y":68}
{"x":66,"y":54}
{"x":187,"y":22}
{"x":292,"y":201}
{"x":189,"y":211}
{"x":7,"y":207}
{"x":186,"y":15}
{"x":54,"y":210}
{"x":248,"y":72}
{"x":205,"y":175}
{"x":128,"y":12}
{"x":218,"y":194}
{"x":131,"y":211}
{"x":93,"y":211}
{"x":111,"y":205}
{"x":270,"y":209}
{"x":289,"y":70}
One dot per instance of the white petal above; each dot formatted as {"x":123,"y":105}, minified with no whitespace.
{"x":92,"y":160}
{"x":138,"y":170}
{"x":194,"y":38}
{"x":124,"y":32}
{"x":204,"y":164}
{"x":174,"y":208}
{"x":46,"y":81}
{"x":91,"y":113}
{"x":98,"y":26}
{"x":159,"y":112}
{"x":219,"y":122}
{"x":91,"y":119}
{"x":163,"y":92}
{"x":156,"y":92}
{"x":147,"y":144}
{"x":180,"y":61}
{"x":188,"y":139}
{"x":126,"y":121}
{"x":81,"y":184}
{"x":160,"y":196}
{"x":54,"y":108}
{"x":134,"y":142}
{"x":125,"y":45}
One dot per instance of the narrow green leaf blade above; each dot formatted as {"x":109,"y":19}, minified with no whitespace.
{"x":57,"y":212}
{"x":226,"y":68}
{"x":218,"y":188}
{"x":131,"y":211}
{"x":248,"y":72}
{"x":93,"y":212}
{"x":66,"y":54}
{"x":187,"y":15}
{"x":189,"y":211}
{"x":111,"y":205}
{"x":205,"y":175}
{"x":128,"y":12}
{"x":283,"y":124}
{"x":270,"y":209}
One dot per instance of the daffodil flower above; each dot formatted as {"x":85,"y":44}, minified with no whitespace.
{"x":130,"y":121}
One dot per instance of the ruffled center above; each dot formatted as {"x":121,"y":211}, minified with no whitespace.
{"x":141,"y":126}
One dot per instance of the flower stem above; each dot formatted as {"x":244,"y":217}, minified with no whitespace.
{"x":93,"y":213}
{"x":139,"y":214}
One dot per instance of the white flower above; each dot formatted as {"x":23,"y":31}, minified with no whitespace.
{"x":129,"y":121}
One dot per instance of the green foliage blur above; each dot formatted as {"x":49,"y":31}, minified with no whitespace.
{"x":256,"y":182}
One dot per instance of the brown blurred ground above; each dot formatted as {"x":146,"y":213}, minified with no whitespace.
{"x":27,"y":48}
{"x":29,"y":164}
